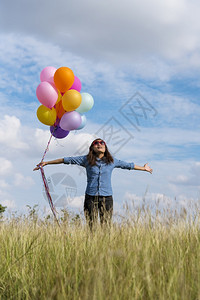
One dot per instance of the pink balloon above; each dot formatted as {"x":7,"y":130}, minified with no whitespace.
{"x":70,"y":120}
{"x":47,"y":94}
{"x":47,"y":74}
{"x":76,"y":85}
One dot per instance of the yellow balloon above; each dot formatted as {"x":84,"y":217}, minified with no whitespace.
{"x":46,"y":115}
{"x":59,"y":97}
{"x":71,"y":100}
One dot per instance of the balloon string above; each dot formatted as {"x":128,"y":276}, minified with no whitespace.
{"x":47,"y":148}
{"x":45,"y":182}
{"x":48,"y":194}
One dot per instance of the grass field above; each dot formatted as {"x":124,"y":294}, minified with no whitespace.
{"x":145,"y":256}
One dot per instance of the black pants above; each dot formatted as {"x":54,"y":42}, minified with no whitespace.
{"x":95,"y":204}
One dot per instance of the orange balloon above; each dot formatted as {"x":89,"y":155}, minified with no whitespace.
{"x":63,"y":78}
{"x":60,"y":110}
{"x":71,"y":100}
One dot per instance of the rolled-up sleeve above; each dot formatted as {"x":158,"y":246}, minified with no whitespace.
{"x":76,"y":160}
{"x":123,"y":164}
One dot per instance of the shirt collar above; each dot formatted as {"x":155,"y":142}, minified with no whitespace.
{"x":101,"y":159}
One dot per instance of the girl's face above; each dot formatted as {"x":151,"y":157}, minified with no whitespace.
{"x":99,"y":146}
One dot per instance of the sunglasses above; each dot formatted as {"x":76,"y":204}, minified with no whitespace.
{"x":98,"y":143}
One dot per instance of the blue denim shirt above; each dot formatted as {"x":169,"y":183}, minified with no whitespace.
{"x":98,"y":176}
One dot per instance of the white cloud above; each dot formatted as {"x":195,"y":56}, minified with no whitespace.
{"x":57,"y":147}
{"x":156,"y":38}
{"x":189,"y":179}
{"x":6,"y":199}
{"x":142,"y":184}
{"x":160,"y":144}
{"x":28,"y":61}
{"x":23,"y":181}
{"x":11,"y":134}
{"x":4,"y":184}
{"x":133,"y":26}
{"x":10,"y":204}
{"x":5,"y":166}
{"x":77,"y":202}
{"x":173,"y":109}
{"x":159,"y":200}
{"x":149,"y":199}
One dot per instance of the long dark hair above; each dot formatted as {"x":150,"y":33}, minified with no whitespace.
{"x":92,"y":156}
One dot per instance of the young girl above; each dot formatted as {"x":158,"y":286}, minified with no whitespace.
{"x":99,"y":165}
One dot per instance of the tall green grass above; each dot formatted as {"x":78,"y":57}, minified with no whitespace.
{"x":145,"y":256}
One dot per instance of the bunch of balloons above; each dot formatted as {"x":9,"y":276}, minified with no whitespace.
{"x":62,"y":103}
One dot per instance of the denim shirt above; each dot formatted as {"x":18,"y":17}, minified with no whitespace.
{"x":98,"y":176}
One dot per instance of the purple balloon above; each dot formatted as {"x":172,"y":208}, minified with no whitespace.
{"x":70,"y":120}
{"x":76,"y":85}
{"x":58,"y":132}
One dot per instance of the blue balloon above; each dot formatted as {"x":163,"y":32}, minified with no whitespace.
{"x":83,"y":122}
{"x":86,"y":103}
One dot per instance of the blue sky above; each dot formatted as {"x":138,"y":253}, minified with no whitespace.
{"x":125,"y":54}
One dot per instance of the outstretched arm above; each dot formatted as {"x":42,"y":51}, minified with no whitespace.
{"x":51,"y":162}
{"x":145,"y":168}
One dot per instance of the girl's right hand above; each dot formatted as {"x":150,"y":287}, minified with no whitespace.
{"x":41,"y":164}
